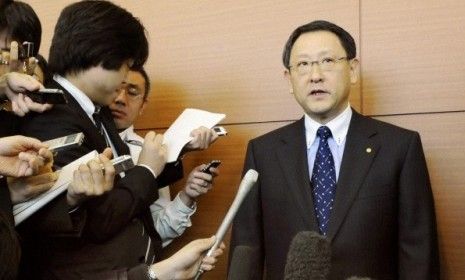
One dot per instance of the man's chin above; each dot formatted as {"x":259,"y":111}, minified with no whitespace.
{"x":120,"y":125}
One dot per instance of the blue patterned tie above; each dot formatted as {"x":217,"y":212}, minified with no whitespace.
{"x":323,"y":180}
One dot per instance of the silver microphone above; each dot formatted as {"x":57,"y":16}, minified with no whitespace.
{"x":249,"y":180}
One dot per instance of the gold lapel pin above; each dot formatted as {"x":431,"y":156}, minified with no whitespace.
{"x":368,"y":150}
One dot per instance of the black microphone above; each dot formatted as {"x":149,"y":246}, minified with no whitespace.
{"x":309,"y":257}
{"x":241,"y":263}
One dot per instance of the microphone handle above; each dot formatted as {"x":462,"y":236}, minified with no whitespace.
{"x":249,"y":180}
{"x":199,"y":274}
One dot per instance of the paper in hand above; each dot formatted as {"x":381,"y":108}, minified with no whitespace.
{"x":178,"y":134}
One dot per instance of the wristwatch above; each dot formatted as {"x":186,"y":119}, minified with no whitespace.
{"x":151,"y":274}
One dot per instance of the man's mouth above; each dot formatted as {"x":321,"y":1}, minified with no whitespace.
{"x":317,"y":92}
{"x":118,"y":113}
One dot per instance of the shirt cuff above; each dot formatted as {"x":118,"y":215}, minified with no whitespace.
{"x":150,"y":169}
{"x":183,"y":208}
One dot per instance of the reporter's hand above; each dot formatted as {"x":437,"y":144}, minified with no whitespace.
{"x":22,"y":156}
{"x":185,"y":263}
{"x":153,"y":152}
{"x":203,"y":138}
{"x":22,"y":189}
{"x":13,"y":85}
{"x":198,"y":183}
{"x":91,"y":180}
{"x":15,"y":64}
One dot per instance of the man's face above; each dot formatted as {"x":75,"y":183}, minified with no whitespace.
{"x":130,"y":100}
{"x":323,"y":93}
{"x":100,"y":84}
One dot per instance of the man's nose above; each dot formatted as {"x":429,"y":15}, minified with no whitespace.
{"x":316,"y":75}
{"x":121,"y":98}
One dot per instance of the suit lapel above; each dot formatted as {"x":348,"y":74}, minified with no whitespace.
{"x":292,"y":157}
{"x":360,"y":150}
{"x":109,"y":124}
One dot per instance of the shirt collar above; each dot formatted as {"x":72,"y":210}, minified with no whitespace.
{"x":126,"y":134}
{"x":338,"y":126}
{"x":84,"y":101}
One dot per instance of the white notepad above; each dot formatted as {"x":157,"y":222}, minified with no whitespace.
{"x":178,"y":134}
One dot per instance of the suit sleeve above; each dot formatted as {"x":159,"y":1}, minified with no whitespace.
{"x":247,"y":229}
{"x":55,"y":218}
{"x":138,"y":272}
{"x":418,"y":248}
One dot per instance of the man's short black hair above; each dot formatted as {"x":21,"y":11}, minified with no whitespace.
{"x":347,"y":41}
{"x":92,"y":33}
{"x":21,"y":23}
{"x":141,"y":71}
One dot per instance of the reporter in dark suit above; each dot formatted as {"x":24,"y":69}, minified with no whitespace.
{"x":377,"y":209}
{"x":94,"y":45}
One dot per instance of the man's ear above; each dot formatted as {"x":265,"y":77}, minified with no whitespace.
{"x":354,"y":70}
{"x":287,"y":76}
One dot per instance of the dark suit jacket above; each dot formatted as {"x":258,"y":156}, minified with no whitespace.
{"x":8,"y":240}
{"x":105,"y":233}
{"x":382,"y":224}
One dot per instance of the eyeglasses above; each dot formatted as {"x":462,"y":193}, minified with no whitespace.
{"x":132,"y":91}
{"x":304,"y":67}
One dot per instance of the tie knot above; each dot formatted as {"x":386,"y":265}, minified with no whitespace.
{"x":324,"y":132}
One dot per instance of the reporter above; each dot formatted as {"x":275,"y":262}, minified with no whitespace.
{"x":171,"y":217}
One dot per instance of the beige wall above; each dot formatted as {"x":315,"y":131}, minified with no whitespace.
{"x":225,"y":56}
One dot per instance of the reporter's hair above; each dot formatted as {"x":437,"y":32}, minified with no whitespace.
{"x":21,"y":23}
{"x":142,"y":71}
{"x":10,"y":249}
{"x":92,"y":33}
{"x":347,"y":41}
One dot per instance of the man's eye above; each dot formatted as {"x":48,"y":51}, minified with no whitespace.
{"x":302,"y":63}
{"x":133,"y":91}
{"x":327,"y":60}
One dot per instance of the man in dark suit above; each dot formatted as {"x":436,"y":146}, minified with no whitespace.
{"x":76,"y":236}
{"x":360,"y":182}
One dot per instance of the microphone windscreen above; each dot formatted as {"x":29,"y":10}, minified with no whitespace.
{"x":309,"y":257}
{"x":241,"y":263}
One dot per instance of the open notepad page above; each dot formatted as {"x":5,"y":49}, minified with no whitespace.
{"x":178,"y":134}
{"x":22,"y":211}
